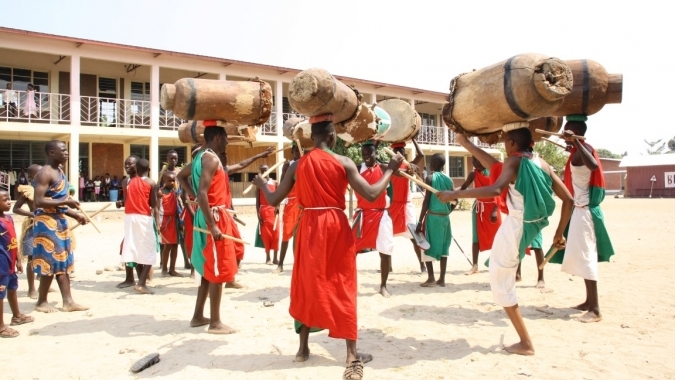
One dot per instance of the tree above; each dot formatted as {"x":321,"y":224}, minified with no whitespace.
{"x":656,"y":147}
{"x":671,"y":145}
{"x":555,"y":156}
{"x":606,"y":153}
{"x":353,"y":151}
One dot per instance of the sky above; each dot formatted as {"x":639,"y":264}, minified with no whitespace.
{"x":421,"y":44}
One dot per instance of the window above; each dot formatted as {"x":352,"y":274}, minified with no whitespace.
{"x":140,"y":91}
{"x":15,"y":154}
{"x":456,"y":167}
{"x":286,"y":106}
{"x":84,"y":157}
{"x":142,"y":151}
{"x":428,"y":119}
{"x":20,"y":78}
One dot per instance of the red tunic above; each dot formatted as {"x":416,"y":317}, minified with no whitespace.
{"x":137,"y":197}
{"x":484,"y":227}
{"x":368,"y":214}
{"x":187,"y":223}
{"x":495,"y":172}
{"x":221,"y":254}
{"x":168,"y":212}
{"x":291,"y":214}
{"x":399,"y":200}
{"x":323,"y":283}
{"x":268,"y":233}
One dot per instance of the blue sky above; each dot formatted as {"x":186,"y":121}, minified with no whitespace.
{"x":418,"y":43}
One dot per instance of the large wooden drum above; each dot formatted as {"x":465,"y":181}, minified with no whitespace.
{"x":193,"y":132}
{"x":296,"y":128}
{"x":593,"y":88}
{"x":405,"y":121}
{"x":316,"y":92}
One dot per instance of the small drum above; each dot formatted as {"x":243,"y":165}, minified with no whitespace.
{"x":405,"y":121}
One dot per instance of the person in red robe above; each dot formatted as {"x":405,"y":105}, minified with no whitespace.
{"x":486,"y":217}
{"x":291,"y":211}
{"x":323,"y":284}
{"x":268,"y":220}
{"x":401,"y":209}
{"x":168,"y":196}
{"x":187,"y":216}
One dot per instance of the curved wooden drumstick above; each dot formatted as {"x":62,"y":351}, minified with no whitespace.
{"x":94,"y":214}
{"x":88,"y":218}
{"x":549,"y":255}
{"x":223,"y":235}
{"x":405,"y":162}
{"x":558,"y":134}
{"x":265,"y":174}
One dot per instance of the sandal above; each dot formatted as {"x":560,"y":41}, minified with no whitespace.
{"x":354,"y":371}
{"x":147,"y":362}
{"x":6,"y":332}
{"x":20,"y":320}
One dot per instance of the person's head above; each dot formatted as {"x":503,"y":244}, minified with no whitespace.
{"x":324,"y":131}
{"x":368,"y":153}
{"x":263,"y":168}
{"x":130,"y":165}
{"x":295,"y":151}
{"x":23,"y":170}
{"x":576,"y":124}
{"x":399,"y":147}
{"x":518,"y":140}
{"x":57,"y":152}
{"x":215,"y":137}
{"x":32,"y":171}
{"x":115,"y":177}
{"x":142,"y":167}
{"x":169,"y":180}
{"x":437,"y":162}
{"x":30,"y":87}
{"x":107,"y":175}
{"x":476,"y":164}
{"x":96,"y":178}
{"x":5,"y":203}
{"x":9,"y":86}
{"x":172,"y":158}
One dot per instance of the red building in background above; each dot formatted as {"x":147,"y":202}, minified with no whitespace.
{"x":650,"y":176}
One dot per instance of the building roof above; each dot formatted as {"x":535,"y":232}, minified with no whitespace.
{"x":648,"y":160}
{"x":227,"y":62}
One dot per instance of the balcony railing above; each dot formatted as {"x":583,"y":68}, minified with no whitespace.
{"x":167,"y":120}
{"x":431,"y":135}
{"x":119,"y":113}
{"x":269,"y":128}
{"x":34,"y":107}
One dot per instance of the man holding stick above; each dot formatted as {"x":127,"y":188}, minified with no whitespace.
{"x":26,"y":195}
{"x":323,"y":284}
{"x":588,"y":241}
{"x":291,"y":210}
{"x":267,"y":220}
{"x":52,"y":251}
{"x":531,"y":184}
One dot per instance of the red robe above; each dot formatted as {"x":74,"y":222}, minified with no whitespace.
{"x":291,"y":214}
{"x":268,"y":233}
{"x":168,"y":229}
{"x":368,"y":214}
{"x":485,"y":229}
{"x":323,"y":283}
{"x":187,"y":222}
{"x":399,"y":200}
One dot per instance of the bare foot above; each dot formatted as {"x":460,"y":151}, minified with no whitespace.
{"x":143,"y":289}
{"x":233,"y":285}
{"x":165,"y":273}
{"x":520,"y":348}
{"x":278,"y":270}
{"x":385,"y":293}
{"x":581,"y":307}
{"x":301,"y":356}
{"x":175,"y":274}
{"x":192,"y":275}
{"x":268,"y":262}
{"x":428,"y":283}
{"x":474,"y":270}
{"x":45,"y":307}
{"x":541,"y":284}
{"x":73,"y":307}
{"x":275,"y":262}
{"x":125,"y":284}
{"x":221,"y":329}
{"x":590,"y":317}
{"x":196,"y":322}
{"x":440,"y":283}
{"x":32,"y":294}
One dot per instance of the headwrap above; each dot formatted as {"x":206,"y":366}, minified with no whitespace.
{"x":294,"y":144}
{"x":368,"y":142}
{"x":211,"y":123}
{"x":320,"y":118}
{"x":398,"y":145}
{"x":513,"y":126}
{"x":582,"y":118}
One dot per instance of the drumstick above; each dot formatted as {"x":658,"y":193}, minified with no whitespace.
{"x":234,"y":213}
{"x":558,"y":134}
{"x":405,"y":162}
{"x":88,"y":218}
{"x":549,"y":255}
{"x":297,"y":141}
{"x":223,"y":235}
{"x":554,"y":143}
{"x":265,"y":174}
{"x":461,"y":250}
{"x":282,"y":149}
{"x":276,"y":220}
{"x":94,"y":214}
{"x":417,"y":181}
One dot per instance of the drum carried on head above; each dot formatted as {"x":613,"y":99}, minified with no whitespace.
{"x":299,"y":129}
{"x":405,"y":121}
{"x":193,"y":132}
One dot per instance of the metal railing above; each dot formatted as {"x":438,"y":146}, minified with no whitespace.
{"x":167,"y":120}
{"x":34,"y":107}
{"x":269,"y":128}
{"x":118,"y":113}
{"x":431,"y":135}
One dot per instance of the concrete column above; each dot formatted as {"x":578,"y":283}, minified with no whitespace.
{"x":73,"y":162}
{"x":412,"y":103}
{"x":154,"y":97}
{"x":447,"y":162}
{"x":90,"y":166}
{"x":373,"y":98}
{"x":126,"y":152}
{"x":279,"y":109}
{"x":154,"y":155}
{"x":75,"y":90}
{"x":222,"y":76}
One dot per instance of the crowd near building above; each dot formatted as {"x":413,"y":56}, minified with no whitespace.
{"x":102,"y":99}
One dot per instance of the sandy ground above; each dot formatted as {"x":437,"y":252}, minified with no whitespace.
{"x":442,"y":333}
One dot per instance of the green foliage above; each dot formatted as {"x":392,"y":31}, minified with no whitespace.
{"x":354,"y":151}
{"x":555,"y":156}
{"x":671,"y":145}
{"x":656,"y":147}
{"x":606,"y":153}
